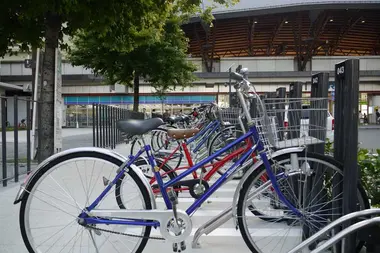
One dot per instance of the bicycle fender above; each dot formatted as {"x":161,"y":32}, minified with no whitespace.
{"x":113,"y":154}
{"x":253,"y":168}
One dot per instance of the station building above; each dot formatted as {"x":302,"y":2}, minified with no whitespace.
{"x":280,"y":42}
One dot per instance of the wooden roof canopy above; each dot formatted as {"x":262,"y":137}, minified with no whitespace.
{"x":303,"y":34}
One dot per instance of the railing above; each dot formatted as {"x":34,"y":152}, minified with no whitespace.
{"x":342,"y":234}
{"x":15,"y":153}
{"x":105,"y":117}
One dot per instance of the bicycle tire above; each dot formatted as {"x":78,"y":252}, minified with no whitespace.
{"x":84,"y":154}
{"x":212,"y":145}
{"x":156,"y":132}
{"x":249,"y":181}
{"x":166,"y":168}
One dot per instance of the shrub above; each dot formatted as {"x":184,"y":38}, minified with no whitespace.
{"x":369,"y":165}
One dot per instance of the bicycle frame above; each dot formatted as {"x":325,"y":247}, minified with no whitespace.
{"x":204,"y":134}
{"x":214,"y":166}
{"x":252,"y":133}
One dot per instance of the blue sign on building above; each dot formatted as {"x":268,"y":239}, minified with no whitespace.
{"x":128,"y":99}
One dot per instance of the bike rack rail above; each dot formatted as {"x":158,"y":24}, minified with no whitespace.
{"x":336,"y":238}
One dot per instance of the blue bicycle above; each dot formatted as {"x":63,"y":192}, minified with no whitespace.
{"x":212,"y":130}
{"x":289,"y":194}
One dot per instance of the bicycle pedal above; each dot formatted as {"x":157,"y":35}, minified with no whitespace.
{"x":175,"y":247}
{"x":179,"y":247}
{"x":183,"y":245}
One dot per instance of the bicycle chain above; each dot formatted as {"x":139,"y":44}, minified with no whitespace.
{"x":125,"y":234}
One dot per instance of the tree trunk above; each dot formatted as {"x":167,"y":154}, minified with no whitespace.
{"x":136,"y":91}
{"x":53,"y":26}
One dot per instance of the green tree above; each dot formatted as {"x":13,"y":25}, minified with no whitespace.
{"x":36,"y":23}
{"x":39,"y":23}
{"x":163,"y":63}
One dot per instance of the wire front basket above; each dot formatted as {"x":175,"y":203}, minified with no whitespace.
{"x":229,"y":116}
{"x":292,"y":122}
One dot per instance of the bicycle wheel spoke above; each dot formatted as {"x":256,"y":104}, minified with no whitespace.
{"x":60,"y":229}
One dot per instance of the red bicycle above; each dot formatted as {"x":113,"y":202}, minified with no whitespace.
{"x":198,"y":184}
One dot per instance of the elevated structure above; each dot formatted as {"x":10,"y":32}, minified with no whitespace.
{"x":280,"y":41}
{"x":301,"y":30}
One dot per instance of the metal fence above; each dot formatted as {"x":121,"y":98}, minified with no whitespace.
{"x":16,"y":139}
{"x":105,"y":117}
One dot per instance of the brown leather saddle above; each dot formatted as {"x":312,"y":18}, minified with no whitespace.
{"x":179,"y":134}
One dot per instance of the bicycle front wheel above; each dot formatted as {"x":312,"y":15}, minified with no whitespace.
{"x":62,"y":189}
{"x":268,"y":225}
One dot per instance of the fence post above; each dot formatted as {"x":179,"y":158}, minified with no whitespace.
{"x":346,"y":139}
{"x":97,"y":126}
{"x":319,"y":90}
{"x":103,"y":130}
{"x":15,"y":136}
{"x":106,"y":125}
{"x":280,"y":108}
{"x":294,"y":121}
{"x":294,"y":117}
{"x":4,"y":138}
{"x":117,"y":130}
{"x":28,"y":135}
{"x":109,"y":125}
{"x":114,"y":110}
{"x":100,"y":123}
{"x":93,"y":126}
{"x":315,"y":193}
{"x":39,"y":131}
{"x":113,"y":126}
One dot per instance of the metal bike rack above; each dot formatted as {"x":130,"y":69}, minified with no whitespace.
{"x":338,"y":237}
{"x":211,"y":225}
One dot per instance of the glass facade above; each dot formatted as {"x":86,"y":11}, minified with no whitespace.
{"x":78,"y":109}
{"x":185,"y":99}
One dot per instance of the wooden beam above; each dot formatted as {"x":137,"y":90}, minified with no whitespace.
{"x":251,"y":32}
{"x":276,"y":31}
{"x":214,"y":31}
{"x":204,"y":58}
{"x":207,"y":50}
{"x":345,"y":29}
{"x":281,"y":49}
{"x":296,"y":28}
{"x":317,"y":27}
{"x":206,"y":27}
{"x":375,"y":47}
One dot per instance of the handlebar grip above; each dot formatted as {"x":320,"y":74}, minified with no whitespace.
{"x":236,"y":76}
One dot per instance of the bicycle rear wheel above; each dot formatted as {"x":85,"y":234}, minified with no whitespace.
{"x":162,"y":146}
{"x":222,"y":139}
{"x":267,"y":225}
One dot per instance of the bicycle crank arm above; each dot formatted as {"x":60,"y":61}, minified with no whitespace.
{"x":164,"y":217}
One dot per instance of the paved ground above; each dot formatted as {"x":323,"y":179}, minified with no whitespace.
{"x":225,"y":239}
{"x":72,"y":138}
{"x":369,"y":136}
